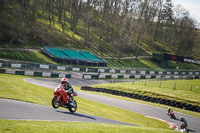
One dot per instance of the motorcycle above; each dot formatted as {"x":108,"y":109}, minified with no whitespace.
{"x":62,"y":99}
{"x":171,"y":114}
{"x":183,"y":128}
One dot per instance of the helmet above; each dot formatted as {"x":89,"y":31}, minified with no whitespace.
{"x":64,"y":81}
{"x":181,"y":117}
{"x":169,"y":108}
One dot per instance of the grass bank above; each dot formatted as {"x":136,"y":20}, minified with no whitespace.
{"x":32,"y":56}
{"x":13,"y":87}
{"x":147,"y":64}
{"x":180,"y":90}
{"x":72,"y":127}
{"x":195,"y":114}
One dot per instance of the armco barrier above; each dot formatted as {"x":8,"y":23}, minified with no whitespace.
{"x":145,"y":98}
{"x":39,"y":74}
{"x":19,"y":72}
{"x":112,"y":73}
{"x":2,"y":71}
{"x":136,"y":76}
{"x":31,"y":73}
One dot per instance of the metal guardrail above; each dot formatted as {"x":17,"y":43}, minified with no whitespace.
{"x":34,"y":73}
{"x":25,"y":65}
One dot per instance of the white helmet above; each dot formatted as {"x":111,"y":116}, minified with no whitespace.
{"x":64,"y":80}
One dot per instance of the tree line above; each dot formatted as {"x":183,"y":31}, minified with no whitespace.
{"x":123,"y":25}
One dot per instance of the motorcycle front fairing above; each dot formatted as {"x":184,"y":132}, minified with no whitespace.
{"x":61,"y":95}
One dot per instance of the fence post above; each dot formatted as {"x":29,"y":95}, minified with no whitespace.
{"x":160,"y":85}
{"x":34,"y":66}
{"x":191,"y":87}
{"x":175,"y":86}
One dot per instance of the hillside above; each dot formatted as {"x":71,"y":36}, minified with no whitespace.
{"x":97,"y":27}
{"x":34,"y":55}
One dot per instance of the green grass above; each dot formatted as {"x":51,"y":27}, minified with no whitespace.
{"x":132,"y":63}
{"x":71,"y":127}
{"x":129,"y":63}
{"x":184,"y":66}
{"x":33,"y":56}
{"x":13,"y":87}
{"x":195,"y":114}
{"x":37,"y":56}
{"x":185,"y":90}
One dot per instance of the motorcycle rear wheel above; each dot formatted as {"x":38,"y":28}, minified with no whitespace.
{"x":54,"y":102}
{"x":73,"y":108}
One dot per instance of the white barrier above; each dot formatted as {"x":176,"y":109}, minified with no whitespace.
{"x":102,"y":76}
{"x":29,"y":73}
{"x":133,"y":72}
{"x":114,"y":76}
{"x":126,"y":76}
{"x":142,"y":72}
{"x":44,"y":66}
{"x":10,"y":71}
{"x":45,"y":74}
{"x":76,"y":69}
{"x":61,"y":75}
{"x":168,"y":72}
{"x":148,"y":76}
{"x":101,"y":70}
{"x":122,"y":71}
{"x":87,"y":76}
{"x":160,"y":72}
{"x":16,"y":65}
{"x":137,"y":76}
{"x":152,"y":72}
{"x":60,"y":68}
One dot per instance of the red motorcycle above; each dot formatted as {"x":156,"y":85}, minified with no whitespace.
{"x":172,"y":115}
{"x":62,"y":99}
{"x":183,"y":127}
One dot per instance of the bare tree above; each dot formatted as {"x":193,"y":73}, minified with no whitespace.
{"x":75,"y":10}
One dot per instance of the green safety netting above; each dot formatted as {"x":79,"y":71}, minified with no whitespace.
{"x":90,"y":56}
{"x":56,"y":52}
{"x":73,"y":54}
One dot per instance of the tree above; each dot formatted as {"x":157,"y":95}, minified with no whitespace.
{"x":186,"y":35}
{"x":167,"y":12}
{"x":75,"y":10}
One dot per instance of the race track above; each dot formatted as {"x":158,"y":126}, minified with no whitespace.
{"x":18,"y":110}
{"x":193,"y":122}
{"x":156,"y":112}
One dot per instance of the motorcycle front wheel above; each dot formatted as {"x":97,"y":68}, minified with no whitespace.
{"x":55,"y":103}
{"x":72,"y":106}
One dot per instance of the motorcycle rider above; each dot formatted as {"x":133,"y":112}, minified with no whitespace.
{"x":183,"y":127}
{"x":169,"y":110}
{"x":183,"y":121}
{"x":67,"y":87}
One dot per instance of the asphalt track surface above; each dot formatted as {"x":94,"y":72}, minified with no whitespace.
{"x":159,"y":113}
{"x":18,"y":110}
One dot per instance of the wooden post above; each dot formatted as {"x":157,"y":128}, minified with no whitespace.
{"x":175,"y":86}
{"x":133,"y":82}
{"x":160,"y":85}
{"x":191,"y":87}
